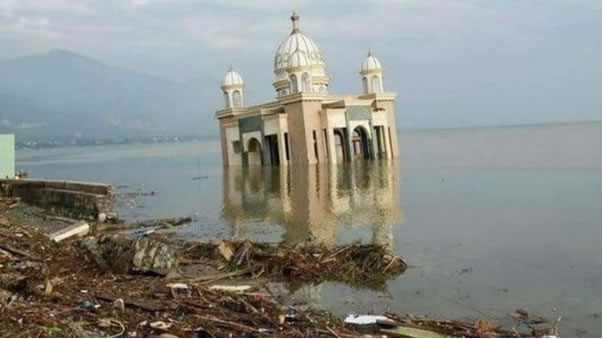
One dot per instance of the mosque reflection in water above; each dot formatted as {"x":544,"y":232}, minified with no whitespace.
{"x":316,"y":203}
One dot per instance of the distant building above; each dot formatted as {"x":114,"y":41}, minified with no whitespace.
{"x":7,"y":156}
{"x":305,"y":124}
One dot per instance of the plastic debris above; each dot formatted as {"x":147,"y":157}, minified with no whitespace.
{"x":230,"y":288}
{"x":369,"y":320}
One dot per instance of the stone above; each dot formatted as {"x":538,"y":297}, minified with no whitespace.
{"x":124,"y":255}
{"x":226,"y":250}
{"x":102,"y":217}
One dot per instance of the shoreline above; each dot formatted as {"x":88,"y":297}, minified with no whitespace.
{"x":54,"y":290}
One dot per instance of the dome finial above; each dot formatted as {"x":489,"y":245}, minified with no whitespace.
{"x":230,"y":69}
{"x":370,"y":52}
{"x":295,"y":22}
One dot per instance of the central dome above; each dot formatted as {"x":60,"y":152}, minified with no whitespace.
{"x":296,"y":51}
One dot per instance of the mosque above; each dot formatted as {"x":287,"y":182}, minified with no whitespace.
{"x":306,"y":124}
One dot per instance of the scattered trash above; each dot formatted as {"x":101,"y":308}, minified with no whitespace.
{"x":48,"y":290}
{"x":160,"y":325}
{"x":177,"y":286}
{"x":226,"y":250}
{"x":77,"y":230}
{"x":411,"y":332}
{"x":361,"y":264}
{"x":119,"y":304}
{"x":230,"y":288}
{"x":90,"y":306}
{"x":369,"y":320}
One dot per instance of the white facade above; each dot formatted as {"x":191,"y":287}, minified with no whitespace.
{"x":306,"y":124}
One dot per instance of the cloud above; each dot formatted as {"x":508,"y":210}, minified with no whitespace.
{"x":540,"y":58}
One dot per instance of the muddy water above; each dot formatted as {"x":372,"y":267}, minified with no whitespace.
{"x":492,"y":219}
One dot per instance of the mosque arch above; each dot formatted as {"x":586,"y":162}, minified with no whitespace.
{"x":360,"y":143}
{"x":254,"y":152}
{"x":365,"y":88}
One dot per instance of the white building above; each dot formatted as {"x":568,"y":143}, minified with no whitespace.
{"x":306,"y":124}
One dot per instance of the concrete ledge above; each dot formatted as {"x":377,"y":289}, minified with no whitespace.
{"x":70,"y":198}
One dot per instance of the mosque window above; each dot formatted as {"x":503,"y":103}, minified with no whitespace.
{"x":365,"y":85}
{"x":226,"y":100}
{"x":306,"y":83}
{"x":293,"y":80}
{"x":375,"y":84}
{"x":237,"y":147}
{"x":236,"y":98}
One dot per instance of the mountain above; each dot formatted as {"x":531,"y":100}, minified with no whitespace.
{"x":61,"y":94}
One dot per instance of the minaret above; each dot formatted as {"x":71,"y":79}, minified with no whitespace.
{"x":372,"y":74}
{"x":232,"y":87}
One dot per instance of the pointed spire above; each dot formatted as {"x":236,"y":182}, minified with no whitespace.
{"x":370,"y":53}
{"x":295,"y":22}
{"x":230,"y":69}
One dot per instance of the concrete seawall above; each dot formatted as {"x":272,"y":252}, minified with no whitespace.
{"x":74,"y":199}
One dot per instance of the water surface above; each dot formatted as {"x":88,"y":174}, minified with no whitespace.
{"x":492,"y":219}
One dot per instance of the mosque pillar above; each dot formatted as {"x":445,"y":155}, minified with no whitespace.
{"x":282,"y":153}
{"x":388,"y":151}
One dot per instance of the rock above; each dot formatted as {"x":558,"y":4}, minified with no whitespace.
{"x":226,"y":250}
{"x":102,"y":217}
{"x":153,"y":256}
{"x":124,"y":255}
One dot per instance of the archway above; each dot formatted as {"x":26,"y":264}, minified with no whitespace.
{"x":360,"y":143}
{"x":340,"y":145}
{"x":254,"y":152}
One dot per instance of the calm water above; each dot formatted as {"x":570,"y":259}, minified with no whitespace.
{"x":493,"y":219}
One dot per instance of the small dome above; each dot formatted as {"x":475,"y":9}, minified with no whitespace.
{"x":370,"y":63}
{"x":232,"y":78}
{"x":297,"y":50}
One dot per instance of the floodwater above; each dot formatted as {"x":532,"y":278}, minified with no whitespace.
{"x":491,"y":219}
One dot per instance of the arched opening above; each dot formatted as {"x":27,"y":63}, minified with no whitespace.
{"x":365,"y":85}
{"x":375,"y":84}
{"x":306,"y":83}
{"x":360,"y":143}
{"x":236,"y":98}
{"x":340,"y":145}
{"x":226,"y":100}
{"x":254,"y":152}
{"x":293,"y":80}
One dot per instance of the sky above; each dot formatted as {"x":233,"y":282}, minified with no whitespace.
{"x":453,"y":63}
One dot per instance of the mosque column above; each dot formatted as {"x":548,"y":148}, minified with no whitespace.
{"x":332,"y":156}
{"x":386,"y":136}
{"x":282,"y":152}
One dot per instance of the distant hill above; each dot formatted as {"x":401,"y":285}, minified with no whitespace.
{"x":62,"y":94}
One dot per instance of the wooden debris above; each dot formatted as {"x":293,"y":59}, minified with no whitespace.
{"x":78,"y":229}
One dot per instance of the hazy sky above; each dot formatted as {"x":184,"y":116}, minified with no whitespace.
{"x":453,"y":63}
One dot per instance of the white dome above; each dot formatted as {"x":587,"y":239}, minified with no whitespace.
{"x":297,"y":50}
{"x":370,"y":63}
{"x":232,"y":78}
